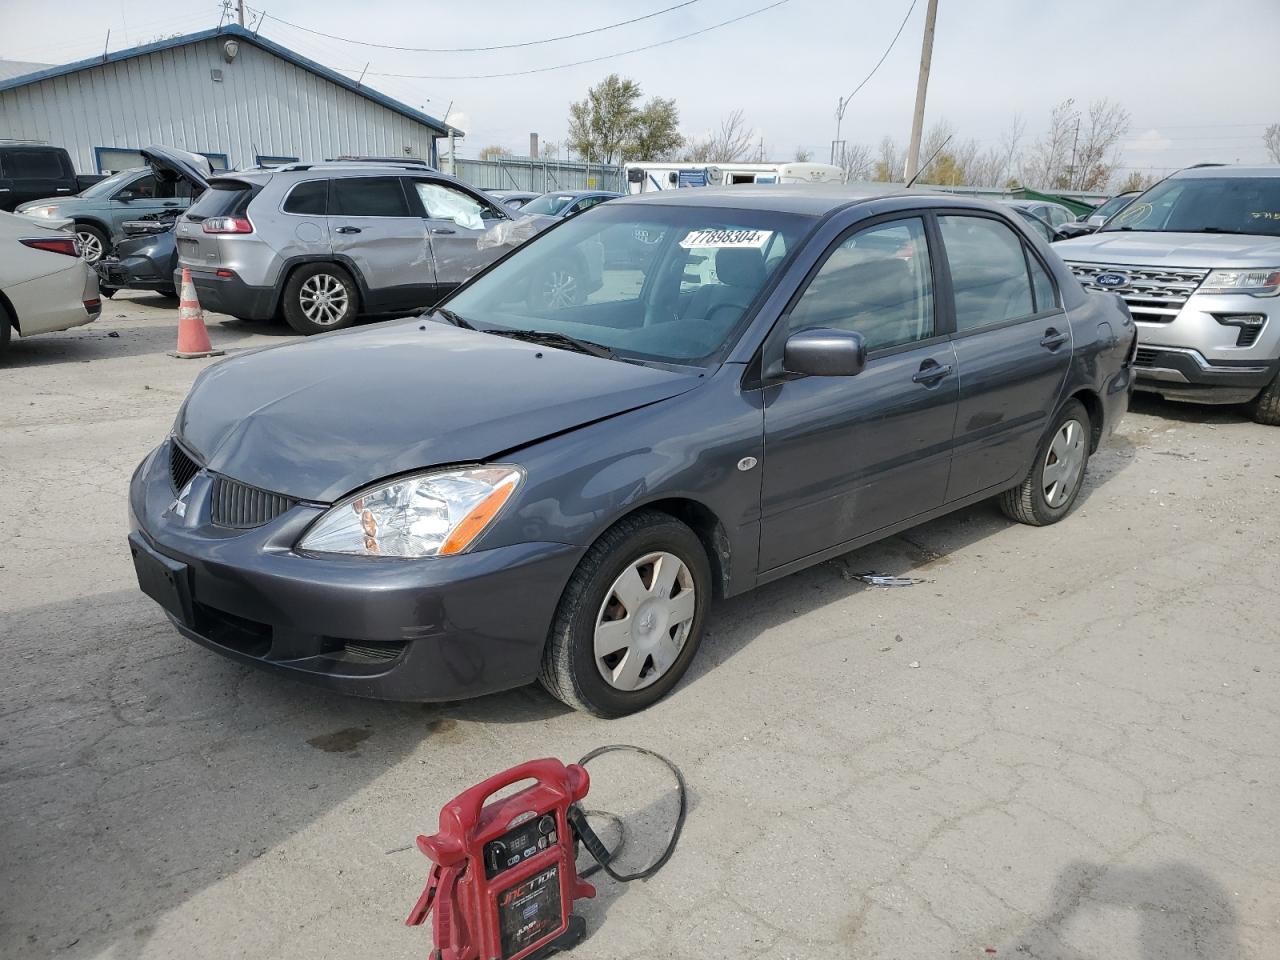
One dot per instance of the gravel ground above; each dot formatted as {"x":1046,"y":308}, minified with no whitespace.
{"x":1063,"y":744}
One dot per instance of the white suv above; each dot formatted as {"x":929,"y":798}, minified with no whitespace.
{"x":1197,"y":259}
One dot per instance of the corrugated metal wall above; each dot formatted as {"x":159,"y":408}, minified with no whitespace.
{"x":540,"y":175}
{"x":263,"y":106}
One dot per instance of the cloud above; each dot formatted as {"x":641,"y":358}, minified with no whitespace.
{"x":1149,"y":141}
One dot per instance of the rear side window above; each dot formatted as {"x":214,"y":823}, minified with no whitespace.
{"x":369,"y":197}
{"x":988,"y":271}
{"x":310,"y":198}
{"x":224,"y":198}
{"x":1046,"y":297}
{"x":33,"y":165}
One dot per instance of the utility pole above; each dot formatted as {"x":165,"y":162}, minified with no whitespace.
{"x":1071,"y":170}
{"x":240,"y":11}
{"x":922,"y":86}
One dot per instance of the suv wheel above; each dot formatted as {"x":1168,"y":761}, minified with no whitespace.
{"x":563,"y":285}
{"x":1051,"y":488}
{"x":631,"y":617}
{"x":94,"y":244}
{"x":1265,"y":407}
{"x":320,"y":297}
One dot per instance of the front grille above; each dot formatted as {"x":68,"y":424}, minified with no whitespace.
{"x":1154,"y":294}
{"x":1145,"y":357}
{"x":240,"y":506}
{"x":181,"y":467}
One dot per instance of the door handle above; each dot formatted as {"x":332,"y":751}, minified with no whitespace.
{"x":931,"y":372}
{"x":443,"y":230}
{"x":172,"y":203}
{"x":1052,"y":339}
{"x":348,"y":230}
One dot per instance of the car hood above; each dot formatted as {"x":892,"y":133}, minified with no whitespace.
{"x":318,"y":419}
{"x":1172,"y":249}
{"x":167,"y":160}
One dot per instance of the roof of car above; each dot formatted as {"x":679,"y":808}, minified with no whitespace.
{"x":309,"y":171}
{"x":1225,"y":170}
{"x":812,"y":199}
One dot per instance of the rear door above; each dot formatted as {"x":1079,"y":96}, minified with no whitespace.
{"x":847,"y":456}
{"x":375,"y":230}
{"x":35,"y":173}
{"x":1013,"y":349}
{"x":456,"y":220}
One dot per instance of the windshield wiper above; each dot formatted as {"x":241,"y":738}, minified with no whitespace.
{"x":558,"y":340}
{"x":452,"y":317}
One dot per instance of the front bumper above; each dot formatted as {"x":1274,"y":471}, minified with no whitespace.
{"x":230,"y":295}
{"x":434,"y":629}
{"x":1183,"y":373}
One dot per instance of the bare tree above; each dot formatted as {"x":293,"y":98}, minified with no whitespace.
{"x":857,"y":162}
{"x":1050,"y":157}
{"x":1095,"y":154}
{"x":1137,"y":180}
{"x":731,"y":142}
{"x":995,"y":166}
{"x":890,"y":161}
{"x":803,"y":155}
{"x":494,"y":152}
{"x":1271,"y":138}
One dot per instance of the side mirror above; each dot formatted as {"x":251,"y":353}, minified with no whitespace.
{"x":823,"y":352}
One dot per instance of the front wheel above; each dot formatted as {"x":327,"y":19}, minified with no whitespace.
{"x":1265,"y":407}
{"x":1050,"y":490}
{"x":320,"y":297}
{"x":631,"y":617}
{"x":94,"y":244}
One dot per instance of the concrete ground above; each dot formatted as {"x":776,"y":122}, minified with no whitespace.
{"x":1064,"y":744}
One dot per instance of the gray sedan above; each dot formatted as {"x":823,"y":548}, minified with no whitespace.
{"x":508,"y":489}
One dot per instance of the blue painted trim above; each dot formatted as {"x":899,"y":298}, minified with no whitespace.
{"x":245,"y":36}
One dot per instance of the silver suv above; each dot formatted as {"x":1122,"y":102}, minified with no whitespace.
{"x":326,"y":243}
{"x":1197,"y":259}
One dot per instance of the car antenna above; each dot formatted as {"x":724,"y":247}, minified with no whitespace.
{"x":932,"y":156}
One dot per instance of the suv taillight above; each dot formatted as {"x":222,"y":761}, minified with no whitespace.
{"x":226,"y":225}
{"x":66,"y":245}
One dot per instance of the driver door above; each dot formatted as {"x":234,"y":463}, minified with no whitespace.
{"x":847,"y":456}
{"x":455,"y":221}
{"x":135,"y":199}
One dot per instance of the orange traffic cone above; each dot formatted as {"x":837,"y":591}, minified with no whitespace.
{"x":193,"y":338}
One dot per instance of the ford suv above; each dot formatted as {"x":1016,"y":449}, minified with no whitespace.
{"x":1197,"y":259}
{"x":325,"y":243}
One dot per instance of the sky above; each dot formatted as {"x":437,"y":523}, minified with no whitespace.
{"x":1201,"y":80}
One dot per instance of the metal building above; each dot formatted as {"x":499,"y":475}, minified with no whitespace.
{"x":237,"y":98}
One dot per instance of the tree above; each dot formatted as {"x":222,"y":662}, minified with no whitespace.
{"x":856,"y":162}
{"x":890,"y":162}
{"x":803,"y":155}
{"x":549,"y":150}
{"x":611,"y":123}
{"x":1137,"y":180}
{"x":494,"y":152}
{"x":1078,"y":152}
{"x":1047,"y":164}
{"x":731,"y":142}
{"x":1271,"y":138}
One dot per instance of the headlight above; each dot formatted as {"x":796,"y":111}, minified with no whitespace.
{"x":1262,"y":282}
{"x":41,"y":211}
{"x":427,"y":515}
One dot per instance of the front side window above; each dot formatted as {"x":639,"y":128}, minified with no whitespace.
{"x":34,"y":165}
{"x":549,"y":204}
{"x":653,"y":283}
{"x":144,"y":188}
{"x":443,"y":202}
{"x":988,"y":271}
{"x":369,"y":197}
{"x":1205,"y":205}
{"x":877,"y":282}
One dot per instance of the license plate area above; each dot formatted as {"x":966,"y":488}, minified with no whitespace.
{"x":165,"y":581}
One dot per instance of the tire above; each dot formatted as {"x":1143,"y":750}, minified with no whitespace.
{"x":6,"y":332}
{"x":305,"y":294}
{"x":1265,"y":407}
{"x":563,"y":285}
{"x":1035,"y":501}
{"x":571,"y":671}
{"x":94,"y":244}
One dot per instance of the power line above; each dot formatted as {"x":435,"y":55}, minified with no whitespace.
{"x":501,"y":46}
{"x":579,"y":63}
{"x":886,"y":53}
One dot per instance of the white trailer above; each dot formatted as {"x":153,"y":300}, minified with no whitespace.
{"x":649,"y":177}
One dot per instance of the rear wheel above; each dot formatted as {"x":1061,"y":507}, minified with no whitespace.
{"x":320,"y":297}
{"x":631,"y":617}
{"x":1265,"y":407}
{"x":1051,"y":488}
{"x":562,"y":285}
{"x":94,"y":244}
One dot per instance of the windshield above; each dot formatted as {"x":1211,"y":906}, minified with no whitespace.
{"x":1113,"y":206}
{"x":108,"y":186}
{"x":1205,"y":205}
{"x":549,"y":204}
{"x":664,"y":283}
